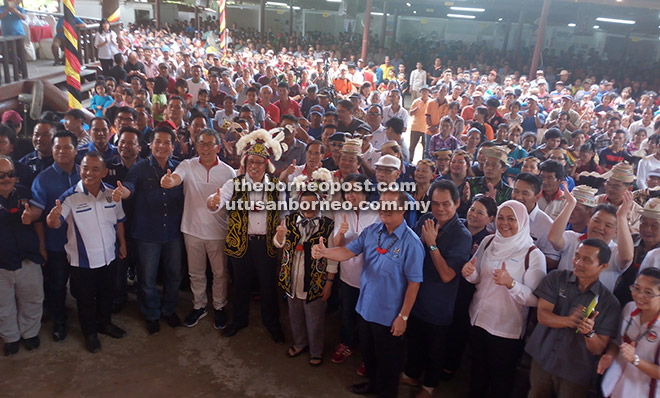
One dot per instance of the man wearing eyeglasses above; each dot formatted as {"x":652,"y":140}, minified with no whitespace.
{"x":203,"y":235}
{"x":21,"y":281}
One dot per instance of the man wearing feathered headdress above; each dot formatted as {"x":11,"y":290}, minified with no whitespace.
{"x":250,"y":228}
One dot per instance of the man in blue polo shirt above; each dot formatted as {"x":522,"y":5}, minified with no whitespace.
{"x":99,"y":130}
{"x":60,"y":39}
{"x":389,"y":284}
{"x":46,"y":188}
{"x":448,"y":244}
{"x":95,"y":225}
{"x":42,"y":141}
{"x":156,"y":228}
{"x":21,"y":282}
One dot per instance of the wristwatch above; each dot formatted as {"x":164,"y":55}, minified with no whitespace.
{"x":590,"y":334}
{"x":513,"y":284}
{"x":433,"y":248}
{"x":636,"y":360}
{"x":405,"y":318}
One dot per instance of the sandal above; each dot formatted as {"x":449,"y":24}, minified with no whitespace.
{"x":293,"y":352}
{"x":315,"y":361}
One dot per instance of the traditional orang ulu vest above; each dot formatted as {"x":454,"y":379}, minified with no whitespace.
{"x":237,"y":220}
{"x":315,"y":275}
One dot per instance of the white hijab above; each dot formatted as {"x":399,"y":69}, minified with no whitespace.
{"x":502,"y":248}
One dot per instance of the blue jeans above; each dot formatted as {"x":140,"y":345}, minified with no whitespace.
{"x":150,"y":255}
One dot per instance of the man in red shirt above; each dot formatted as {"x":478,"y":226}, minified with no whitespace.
{"x":285,"y":103}
{"x":272,"y":111}
{"x":369,"y":75}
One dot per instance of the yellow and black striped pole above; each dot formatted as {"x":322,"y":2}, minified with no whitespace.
{"x":72,"y":55}
{"x":222,"y":9}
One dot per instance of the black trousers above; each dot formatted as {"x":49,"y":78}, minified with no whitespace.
{"x":382,"y":354}
{"x":94,"y":290}
{"x":123,"y":264}
{"x":459,"y":331}
{"x":493,"y":364}
{"x":256,"y":262}
{"x":56,"y":275}
{"x":106,"y":64}
{"x":426,"y":350}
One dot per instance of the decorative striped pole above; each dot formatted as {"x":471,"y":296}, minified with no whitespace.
{"x":114,"y":17}
{"x":222,"y":9}
{"x":72,"y":55}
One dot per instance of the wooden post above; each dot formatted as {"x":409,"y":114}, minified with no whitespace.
{"x":516,"y":50}
{"x":539,"y":39}
{"x":396,"y":22}
{"x":365,"y":34}
{"x":157,"y":11}
{"x":262,"y":16}
{"x":290,"y":17}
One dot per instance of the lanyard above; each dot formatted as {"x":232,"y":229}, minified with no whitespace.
{"x":649,"y":327}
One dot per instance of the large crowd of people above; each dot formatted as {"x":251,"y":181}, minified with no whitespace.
{"x":523,"y":231}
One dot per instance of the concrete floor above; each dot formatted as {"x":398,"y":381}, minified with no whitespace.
{"x":183,"y":362}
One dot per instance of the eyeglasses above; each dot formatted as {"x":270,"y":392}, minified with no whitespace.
{"x":125,"y":119}
{"x":8,"y":174}
{"x":203,"y":144}
{"x":634,"y":289}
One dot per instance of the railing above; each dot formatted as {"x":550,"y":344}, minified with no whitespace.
{"x":12,"y":52}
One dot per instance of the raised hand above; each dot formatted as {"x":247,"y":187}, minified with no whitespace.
{"x":291,"y":168}
{"x":430,"y":232}
{"x":281,"y":231}
{"x":492,"y":192}
{"x":626,"y":206}
{"x":120,"y":192}
{"x":466,"y":193}
{"x":214,"y":201}
{"x":28,"y":215}
{"x":343,"y":227}
{"x":56,"y":212}
{"x":318,"y":251}
{"x":469,"y":267}
{"x":587,"y":324}
{"x":502,"y":277}
{"x":167,"y":181}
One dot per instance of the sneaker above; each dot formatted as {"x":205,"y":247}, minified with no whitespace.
{"x":220,"y":321}
{"x":362,"y":371}
{"x":32,"y":343}
{"x":341,"y":353}
{"x":195,"y":315}
{"x":11,"y":348}
{"x":173,"y":320}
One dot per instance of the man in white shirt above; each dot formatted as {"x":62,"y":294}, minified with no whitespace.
{"x":94,"y":224}
{"x":648,"y":163}
{"x":203,"y":235}
{"x":395,"y":110}
{"x":374,"y":118}
{"x":195,"y":83}
{"x":606,"y":224}
{"x":527,"y":190}
{"x":225,"y":115}
{"x":417,"y":81}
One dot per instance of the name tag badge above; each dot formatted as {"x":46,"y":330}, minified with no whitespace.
{"x":562,"y":293}
{"x":396,"y":252}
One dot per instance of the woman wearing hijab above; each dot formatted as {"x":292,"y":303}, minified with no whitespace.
{"x":505,"y":269}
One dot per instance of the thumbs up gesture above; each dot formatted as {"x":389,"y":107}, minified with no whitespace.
{"x":53,"y":218}
{"x":27,"y":215}
{"x":281,"y":231}
{"x":120,"y":192}
{"x":469,"y":267}
{"x":343,"y":227}
{"x":502,"y":277}
{"x":213,"y":202}
{"x":318,"y":251}
{"x":167,"y":181}
{"x":291,"y":168}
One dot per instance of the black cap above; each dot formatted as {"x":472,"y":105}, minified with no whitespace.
{"x":77,"y":113}
{"x":338,"y":137}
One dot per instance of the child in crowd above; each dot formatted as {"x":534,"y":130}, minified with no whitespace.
{"x":101,"y":100}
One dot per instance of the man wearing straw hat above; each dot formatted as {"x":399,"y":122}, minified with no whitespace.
{"x":491,"y":183}
{"x":619,"y":180}
{"x":585,"y":196}
{"x":641,"y":196}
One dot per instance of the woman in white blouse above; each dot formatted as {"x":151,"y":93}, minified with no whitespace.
{"x":106,"y":44}
{"x":633,"y":363}
{"x":348,"y":226}
{"x":505,"y":269}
